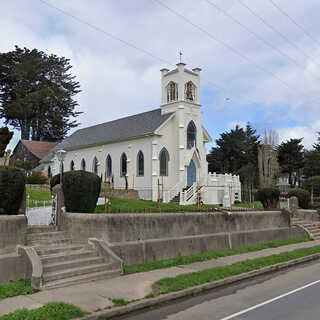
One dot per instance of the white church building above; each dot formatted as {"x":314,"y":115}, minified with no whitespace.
{"x":162,"y":151}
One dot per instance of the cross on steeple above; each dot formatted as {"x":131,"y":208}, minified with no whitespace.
{"x":180,"y":54}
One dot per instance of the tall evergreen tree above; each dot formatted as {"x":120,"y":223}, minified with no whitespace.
{"x":36,"y":94}
{"x":234,"y":150}
{"x":290,"y":157}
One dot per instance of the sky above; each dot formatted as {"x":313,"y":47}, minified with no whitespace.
{"x":259,"y":64}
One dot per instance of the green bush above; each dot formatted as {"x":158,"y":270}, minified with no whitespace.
{"x":303,"y":197}
{"x":12,"y":186}
{"x":312,"y":184}
{"x":81,"y":190}
{"x":36,"y":178}
{"x":269,"y":197}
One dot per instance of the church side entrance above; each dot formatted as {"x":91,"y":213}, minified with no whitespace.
{"x":192,"y":174}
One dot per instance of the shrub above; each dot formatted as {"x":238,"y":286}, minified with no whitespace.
{"x":81,"y":190}
{"x":303,"y":197}
{"x":312,"y":184}
{"x":36,"y":178}
{"x":12,"y":186}
{"x":269,"y":197}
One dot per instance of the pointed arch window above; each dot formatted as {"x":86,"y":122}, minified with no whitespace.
{"x":83,"y":165}
{"x":109,"y":166}
{"x":95,"y":165}
{"x":140,"y":164}
{"x":189,"y":91}
{"x":164,"y":162}
{"x":123,"y":165}
{"x":72,"y":165}
{"x":172,"y":92}
{"x":191,"y":135}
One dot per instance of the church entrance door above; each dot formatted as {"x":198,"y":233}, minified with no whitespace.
{"x":192,"y":174}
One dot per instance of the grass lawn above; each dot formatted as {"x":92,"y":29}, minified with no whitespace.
{"x":118,"y":205}
{"x":16,"y":288}
{"x":184,"y":281}
{"x":255,"y":204}
{"x":205,"y":256}
{"x":38,"y":198}
{"x":50,"y":311}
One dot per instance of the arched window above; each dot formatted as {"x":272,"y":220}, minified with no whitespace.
{"x":172,"y":92}
{"x":72,"y":165}
{"x":140,"y":164}
{"x":109,"y":166}
{"x":83,"y":165}
{"x":189,"y":91}
{"x":191,"y":135}
{"x":49,"y":172}
{"x":123,"y":165}
{"x":164,"y":161}
{"x":95,"y":164}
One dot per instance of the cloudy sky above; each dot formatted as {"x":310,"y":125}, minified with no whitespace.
{"x":258,"y":65}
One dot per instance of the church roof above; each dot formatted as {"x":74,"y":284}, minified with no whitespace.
{"x":112,"y":131}
{"x":39,"y":148}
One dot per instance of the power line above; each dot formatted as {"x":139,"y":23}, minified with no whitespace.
{"x":270,"y":26}
{"x":295,"y":23}
{"x":297,"y":63}
{"x":223,"y":43}
{"x":110,"y":35}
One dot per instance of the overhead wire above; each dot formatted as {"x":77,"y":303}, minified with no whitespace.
{"x":279,"y":33}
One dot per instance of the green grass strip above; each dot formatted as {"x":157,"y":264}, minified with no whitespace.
{"x":16,"y":288}
{"x":50,"y":311}
{"x":209,"y":255}
{"x":184,"y":281}
{"x":39,"y":195}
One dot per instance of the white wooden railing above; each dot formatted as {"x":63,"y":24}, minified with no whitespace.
{"x":189,"y":196}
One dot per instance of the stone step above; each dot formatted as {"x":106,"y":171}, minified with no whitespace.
{"x":315,"y":233}
{"x":40,"y":229}
{"x":68,"y":255}
{"x":82,"y":279}
{"x":71,"y":264}
{"x":46,"y":235}
{"x":49,"y":242}
{"x":45,"y":250}
{"x":54,"y":276}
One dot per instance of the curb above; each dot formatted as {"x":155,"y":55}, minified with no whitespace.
{"x":145,"y":303}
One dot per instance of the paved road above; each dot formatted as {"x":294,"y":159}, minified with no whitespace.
{"x":293,"y":294}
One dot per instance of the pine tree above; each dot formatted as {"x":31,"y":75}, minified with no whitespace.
{"x":36,"y":94}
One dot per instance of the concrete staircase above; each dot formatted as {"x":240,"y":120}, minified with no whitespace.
{"x":64,"y":263}
{"x":312,"y":227}
{"x":176,"y":199}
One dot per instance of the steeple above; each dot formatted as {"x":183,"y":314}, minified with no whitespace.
{"x":179,"y":85}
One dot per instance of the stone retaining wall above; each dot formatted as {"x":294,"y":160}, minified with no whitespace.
{"x":138,"y":238}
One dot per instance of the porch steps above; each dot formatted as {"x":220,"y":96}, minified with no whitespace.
{"x":65,"y":263}
{"x":312,"y":227}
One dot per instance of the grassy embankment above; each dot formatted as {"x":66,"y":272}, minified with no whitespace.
{"x":209,"y":255}
{"x":188,"y":280}
{"x":50,"y":311}
{"x":38,"y":198}
{"x":16,"y":288}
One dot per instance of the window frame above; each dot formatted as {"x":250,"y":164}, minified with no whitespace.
{"x":122,"y":172}
{"x":191,"y":125}
{"x":164,"y":152}
{"x":140,"y":166}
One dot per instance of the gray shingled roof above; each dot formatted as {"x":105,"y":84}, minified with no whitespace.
{"x":121,"y":129}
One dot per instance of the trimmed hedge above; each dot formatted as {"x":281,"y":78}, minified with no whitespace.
{"x":36,"y":178}
{"x":269,"y":197}
{"x":303,"y":196}
{"x":81,"y":190}
{"x":312,"y":183}
{"x":12,"y":186}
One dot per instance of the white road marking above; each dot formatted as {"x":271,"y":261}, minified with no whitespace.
{"x":269,"y":301}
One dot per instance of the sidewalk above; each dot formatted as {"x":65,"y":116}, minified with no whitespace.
{"x":98,"y":294}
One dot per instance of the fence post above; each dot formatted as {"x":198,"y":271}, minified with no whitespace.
{"x":159,"y":204}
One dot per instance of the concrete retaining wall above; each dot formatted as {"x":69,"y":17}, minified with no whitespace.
{"x":135,"y":227}
{"x":138,"y":238}
{"x":311,"y":215}
{"x":13,"y":230}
